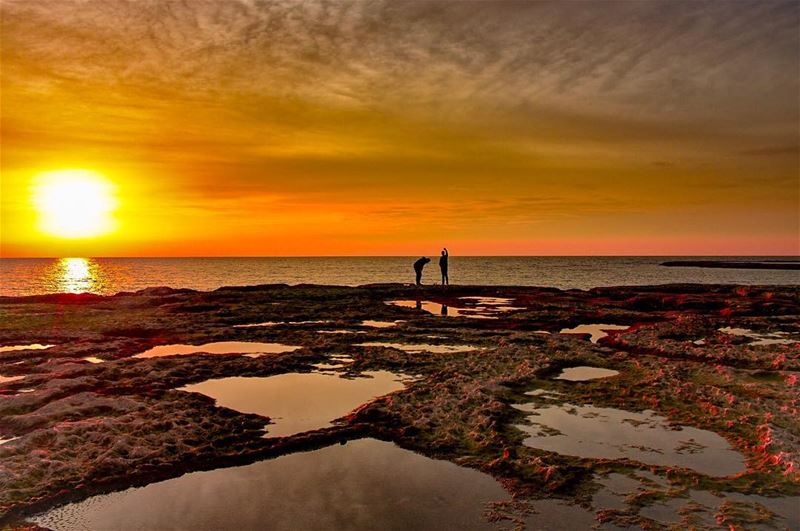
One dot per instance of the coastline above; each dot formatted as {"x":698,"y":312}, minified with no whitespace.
{"x":72,"y":401}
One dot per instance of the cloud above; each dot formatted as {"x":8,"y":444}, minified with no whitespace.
{"x":386,"y":103}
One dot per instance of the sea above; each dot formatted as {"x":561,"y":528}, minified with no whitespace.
{"x":32,"y":276}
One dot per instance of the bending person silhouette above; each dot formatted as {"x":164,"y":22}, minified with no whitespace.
{"x":443,"y":266}
{"x":418,"y":265}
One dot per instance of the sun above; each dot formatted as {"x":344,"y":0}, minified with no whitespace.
{"x":75,"y":203}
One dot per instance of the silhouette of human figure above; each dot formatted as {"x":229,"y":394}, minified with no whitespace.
{"x":443,"y":266}
{"x":418,"y":265}
{"x":444,"y":309}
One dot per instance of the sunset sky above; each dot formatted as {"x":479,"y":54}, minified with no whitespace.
{"x":392,"y":128}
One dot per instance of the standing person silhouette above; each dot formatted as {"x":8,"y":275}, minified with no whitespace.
{"x":443,"y":266}
{"x":418,"y":265}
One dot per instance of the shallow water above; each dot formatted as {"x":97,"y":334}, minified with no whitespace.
{"x":34,"y":346}
{"x":221,"y":347}
{"x":483,"y":307}
{"x":279,"y":323}
{"x":7,"y":440}
{"x":596,"y":331}
{"x":362,"y":485}
{"x":380,"y":324}
{"x":584,"y":373}
{"x":298,"y":402}
{"x":417,"y":348}
{"x":433,"y":308}
{"x":616,"y":487}
{"x":597,"y":432}
{"x":6,"y":379}
{"x":93,"y":359}
{"x":759,"y":338}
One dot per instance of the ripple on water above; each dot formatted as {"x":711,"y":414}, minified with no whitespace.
{"x":298,"y":402}
{"x":221,"y":347}
{"x":596,"y":331}
{"x":362,"y":485}
{"x":597,"y":432}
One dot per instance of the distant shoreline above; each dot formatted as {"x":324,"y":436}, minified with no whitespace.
{"x":776,"y":264}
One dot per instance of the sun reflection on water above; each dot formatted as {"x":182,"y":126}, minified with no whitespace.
{"x":76,"y":275}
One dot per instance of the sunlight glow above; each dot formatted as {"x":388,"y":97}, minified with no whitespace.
{"x":75,"y":275}
{"x":75,"y":203}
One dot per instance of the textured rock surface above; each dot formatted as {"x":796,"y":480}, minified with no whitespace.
{"x":84,"y":428}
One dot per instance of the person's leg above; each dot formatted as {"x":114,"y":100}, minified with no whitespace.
{"x":419,"y":278}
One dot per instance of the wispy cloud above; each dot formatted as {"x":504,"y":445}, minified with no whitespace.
{"x":606,"y":105}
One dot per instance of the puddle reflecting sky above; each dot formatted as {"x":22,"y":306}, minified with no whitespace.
{"x":221,"y":347}
{"x":277,"y":323}
{"x":363,"y":485}
{"x":416,"y":348}
{"x":584,"y":373}
{"x":298,"y":402}
{"x":596,"y":331}
{"x":379,"y":324}
{"x":597,"y":432}
{"x":6,"y":379}
{"x":480,"y":310}
{"x":760,"y":338}
{"x":34,"y":346}
{"x":616,"y":487}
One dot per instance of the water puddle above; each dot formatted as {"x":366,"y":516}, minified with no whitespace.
{"x":702,"y":506}
{"x":6,"y":379}
{"x":33,"y":346}
{"x":222,"y":347}
{"x":362,"y":485}
{"x":418,"y":348}
{"x":4,"y":441}
{"x":584,"y":373}
{"x":596,"y":331}
{"x":759,"y":338}
{"x":340,"y":363}
{"x":433,"y":308}
{"x":476,"y":311}
{"x":608,"y":433}
{"x":298,"y":402}
{"x":279,"y":323}
{"x":379,"y":324}
{"x":93,"y":359}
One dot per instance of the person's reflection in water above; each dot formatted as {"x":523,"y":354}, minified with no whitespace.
{"x":444,"y":309}
{"x":419,"y":305}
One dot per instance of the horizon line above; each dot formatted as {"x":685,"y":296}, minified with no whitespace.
{"x":411,"y":256}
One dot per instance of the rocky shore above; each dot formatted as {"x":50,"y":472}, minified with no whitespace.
{"x":84,"y":412}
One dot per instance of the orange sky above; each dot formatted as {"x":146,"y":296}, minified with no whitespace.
{"x":297,"y":128}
